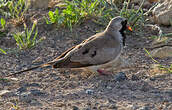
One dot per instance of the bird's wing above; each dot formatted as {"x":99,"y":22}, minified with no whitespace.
{"x":94,"y":51}
{"x":74,"y":47}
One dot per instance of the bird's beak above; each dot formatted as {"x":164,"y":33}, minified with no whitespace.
{"x":129,"y":28}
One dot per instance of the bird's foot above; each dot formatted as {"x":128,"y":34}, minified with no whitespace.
{"x":103,"y":72}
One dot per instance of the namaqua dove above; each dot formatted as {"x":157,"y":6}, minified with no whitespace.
{"x":94,"y":52}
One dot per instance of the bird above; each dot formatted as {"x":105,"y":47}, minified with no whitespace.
{"x":94,"y":52}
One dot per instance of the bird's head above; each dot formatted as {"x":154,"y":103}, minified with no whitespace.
{"x":119,"y":24}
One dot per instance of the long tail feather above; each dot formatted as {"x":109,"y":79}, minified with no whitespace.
{"x":33,"y":68}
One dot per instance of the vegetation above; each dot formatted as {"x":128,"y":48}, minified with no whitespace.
{"x":2,"y":51}
{"x":3,"y":23}
{"x":13,"y":8}
{"x":135,"y":16}
{"x":75,"y":12}
{"x":2,"y":27}
{"x":27,"y":39}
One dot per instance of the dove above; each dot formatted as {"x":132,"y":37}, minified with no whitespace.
{"x":95,"y":52}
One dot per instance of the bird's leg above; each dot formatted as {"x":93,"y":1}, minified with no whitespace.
{"x":103,"y":72}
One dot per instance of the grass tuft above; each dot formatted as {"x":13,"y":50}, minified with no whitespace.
{"x":27,"y":39}
{"x":75,"y":12}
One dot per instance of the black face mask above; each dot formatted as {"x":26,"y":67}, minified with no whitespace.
{"x":124,"y":27}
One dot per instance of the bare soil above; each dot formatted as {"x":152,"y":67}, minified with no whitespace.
{"x":66,"y":89}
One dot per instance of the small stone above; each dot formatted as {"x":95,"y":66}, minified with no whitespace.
{"x":6,"y":93}
{"x":25,"y":97}
{"x":121,"y":76}
{"x":34,"y":85}
{"x":162,"y":52}
{"x":89,"y":91}
{"x":162,"y":13}
{"x":144,"y":108}
{"x":134,"y":77}
{"x":21,"y":89}
{"x":169,"y":92}
{"x":113,"y":107}
{"x":36,"y":92}
{"x":86,"y":109}
{"x":152,"y":78}
{"x":109,"y":87}
{"x":75,"y":108}
{"x":37,"y":4}
{"x":35,"y":102}
{"x":147,"y":5}
{"x":14,"y":79}
{"x":95,"y":107}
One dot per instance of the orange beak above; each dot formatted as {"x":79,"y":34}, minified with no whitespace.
{"x":129,"y":28}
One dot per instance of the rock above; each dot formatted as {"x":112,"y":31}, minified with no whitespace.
{"x":35,"y":102}
{"x":155,"y":71}
{"x":162,"y":52}
{"x":4,"y":92}
{"x":162,"y":13}
{"x":86,"y":109}
{"x":169,"y":92}
{"x":144,"y":108}
{"x":89,"y":91}
{"x":169,"y":107}
{"x":37,"y":4}
{"x":135,"y":78}
{"x":115,"y":1}
{"x":32,"y":85}
{"x":121,"y":76}
{"x":146,"y":5}
{"x":36,"y":92}
{"x":75,"y":108}
{"x":129,"y":107}
{"x":7,"y":42}
{"x":25,"y":97}
{"x":21,"y":89}
{"x":139,"y":1}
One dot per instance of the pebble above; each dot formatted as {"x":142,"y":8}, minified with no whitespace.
{"x":121,"y":76}
{"x":21,"y":89}
{"x":134,"y":78}
{"x":34,"y":85}
{"x":6,"y":93}
{"x":89,"y":91}
{"x":86,"y":109}
{"x":14,"y":79}
{"x":152,"y":78}
{"x":169,"y":92}
{"x":25,"y":97}
{"x":36,"y":92}
{"x":144,"y":108}
{"x":75,"y":108}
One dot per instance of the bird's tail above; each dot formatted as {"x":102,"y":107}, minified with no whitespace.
{"x":33,"y":68}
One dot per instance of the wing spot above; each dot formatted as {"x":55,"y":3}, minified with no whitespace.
{"x":94,"y":54}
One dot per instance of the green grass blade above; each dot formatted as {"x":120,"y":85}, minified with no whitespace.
{"x":3,"y":51}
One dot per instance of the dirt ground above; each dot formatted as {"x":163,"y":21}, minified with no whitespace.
{"x":66,"y":89}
